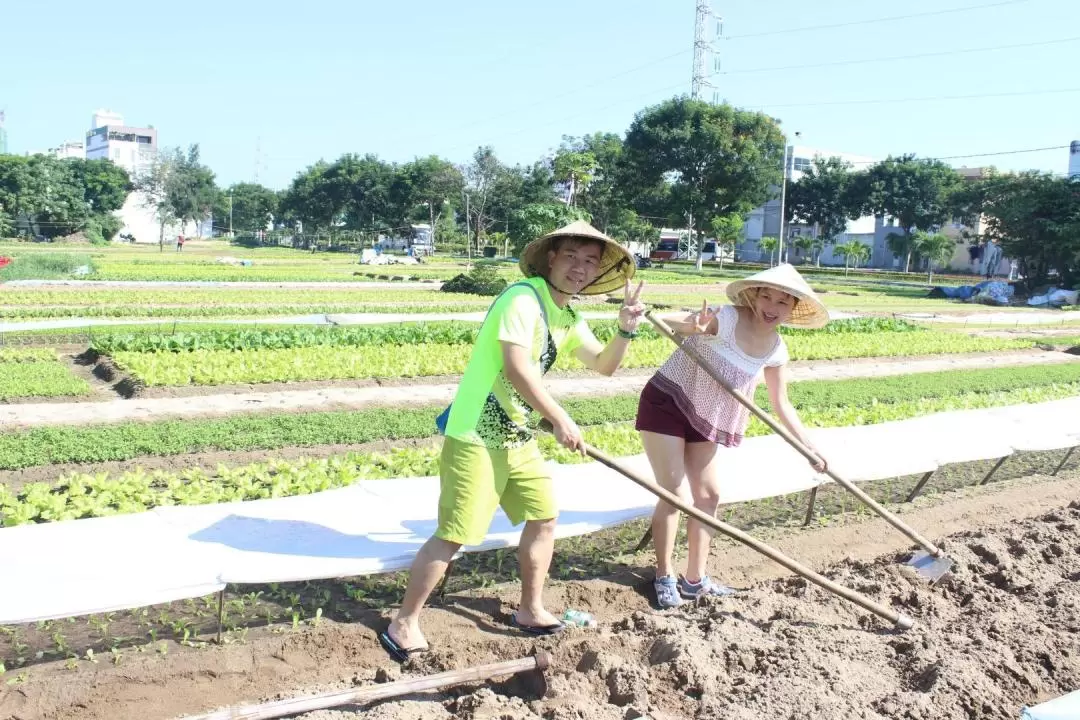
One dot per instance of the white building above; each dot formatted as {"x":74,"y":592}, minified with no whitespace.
{"x":132,"y":148}
{"x":765,"y":220}
{"x":70,"y":149}
{"x":1074,"y":159}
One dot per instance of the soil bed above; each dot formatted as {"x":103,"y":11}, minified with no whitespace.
{"x":1000,"y":633}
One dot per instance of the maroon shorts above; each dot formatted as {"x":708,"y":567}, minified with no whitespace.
{"x":658,"y":413}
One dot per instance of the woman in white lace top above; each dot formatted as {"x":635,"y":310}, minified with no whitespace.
{"x":685,"y":416}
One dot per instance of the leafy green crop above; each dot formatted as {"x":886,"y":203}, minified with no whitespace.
{"x":82,"y":495}
{"x":38,"y":378}
{"x":28,"y":355}
{"x":372,"y":355}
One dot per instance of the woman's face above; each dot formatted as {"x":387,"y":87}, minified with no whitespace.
{"x":773,"y":307}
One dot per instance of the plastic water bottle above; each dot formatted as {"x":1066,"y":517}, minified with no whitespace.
{"x":579,"y":618}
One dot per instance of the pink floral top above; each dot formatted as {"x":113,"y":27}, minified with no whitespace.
{"x":709,"y":408}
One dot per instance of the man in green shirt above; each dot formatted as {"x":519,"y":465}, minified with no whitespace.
{"x":490,"y":456}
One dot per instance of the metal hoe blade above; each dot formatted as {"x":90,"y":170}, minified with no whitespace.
{"x":931,"y":567}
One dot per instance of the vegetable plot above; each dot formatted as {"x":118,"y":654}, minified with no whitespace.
{"x":36,"y":372}
{"x":821,"y":404}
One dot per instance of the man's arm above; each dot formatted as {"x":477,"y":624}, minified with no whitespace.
{"x":525,"y":376}
{"x":606,"y":359}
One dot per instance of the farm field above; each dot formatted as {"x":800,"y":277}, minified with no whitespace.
{"x":779,"y":647}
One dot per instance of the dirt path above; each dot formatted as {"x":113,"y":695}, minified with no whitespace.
{"x":329,"y":396}
{"x":1000,"y":634}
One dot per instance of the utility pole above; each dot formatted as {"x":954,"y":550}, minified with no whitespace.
{"x":783,"y":195}
{"x":703,"y":48}
{"x":230,"y":214}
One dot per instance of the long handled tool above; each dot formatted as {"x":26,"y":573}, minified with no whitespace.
{"x":931,"y":564}
{"x":902,"y":622}
{"x":282,"y":708}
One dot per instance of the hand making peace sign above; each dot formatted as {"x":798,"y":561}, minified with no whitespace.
{"x":632,"y":309}
{"x":702,"y":319}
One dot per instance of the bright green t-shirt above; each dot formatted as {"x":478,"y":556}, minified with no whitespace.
{"x":487,"y":410}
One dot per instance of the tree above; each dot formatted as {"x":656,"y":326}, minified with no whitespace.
{"x":716,"y":159}
{"x":603,"y":197}
{"x":536,"y":219}
{"x":726,"y":230}
{"x":105,"y":184}
{"x":853,"y":253}
{"x":917,"y":193}
{"x":429,"y":185}
{"x":1036,"y":218}
{"x":361,"y":186}
{"x":936,"y":248}
{"x":190,"y":189}
{"x":575,"y":169}
{"x":483,"y":178}
{"x":769,"y":245}
{"x":154,"y":185}
{"x":247,"y":207}
{"x":313,"y":200}
{"x":806,"y":245}
{"x":826,"y":197}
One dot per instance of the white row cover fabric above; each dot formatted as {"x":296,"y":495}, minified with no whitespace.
{"x":100,"y":565}
{"x":1066,"y":707}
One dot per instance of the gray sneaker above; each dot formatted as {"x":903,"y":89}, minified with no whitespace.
{"x":667,"y":592}
{"x":704,"y":586}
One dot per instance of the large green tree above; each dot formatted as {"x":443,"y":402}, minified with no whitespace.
{"x":190,"y":187}
{"x":246,"y":207}
{"x":427,"y":187}
{"x":917,"y":193}
{"x":824,"y":197}
{"x":312,"y":200}
{"x":714,"y":159}
{"x":1036,"y":218}
{"x":105,"y":184}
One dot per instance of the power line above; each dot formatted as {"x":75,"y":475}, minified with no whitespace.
{"x":932,"y":98}
{"x":892,"y":58}
{"x":892,"y":18}
{"x":977,"y":155}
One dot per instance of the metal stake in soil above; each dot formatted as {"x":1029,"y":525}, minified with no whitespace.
{"x":931,"y":564}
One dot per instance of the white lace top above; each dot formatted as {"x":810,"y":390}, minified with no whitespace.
{"x":709,"y":408}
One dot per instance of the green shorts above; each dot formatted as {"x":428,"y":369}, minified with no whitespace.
{"x":474,"y":480}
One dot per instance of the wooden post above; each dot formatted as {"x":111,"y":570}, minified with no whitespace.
{"x":919,"y":486}
{"x":810,"y":507}
{"x":993,"y":470}
{"x":298,"y":705}
{"x":220,"y":613}
{"x":1064,"y":460}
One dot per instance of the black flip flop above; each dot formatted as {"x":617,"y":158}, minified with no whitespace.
{"x":396,"y":651}
{"x":537,"y":629}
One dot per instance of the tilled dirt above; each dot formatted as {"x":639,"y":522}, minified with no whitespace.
{"x":1000,"y":633}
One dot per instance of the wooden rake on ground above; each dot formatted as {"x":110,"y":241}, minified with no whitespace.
{"x":931,"y":563}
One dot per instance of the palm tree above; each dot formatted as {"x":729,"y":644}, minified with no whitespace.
{"x":769,"y":245}
{"x":853,"y":253}
{"x":936,"y":248}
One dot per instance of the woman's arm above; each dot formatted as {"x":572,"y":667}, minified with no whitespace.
{"x":702,"y":322}
{"x":776,"y":382}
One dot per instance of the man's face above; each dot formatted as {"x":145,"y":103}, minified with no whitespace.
{"x":575,"y":264}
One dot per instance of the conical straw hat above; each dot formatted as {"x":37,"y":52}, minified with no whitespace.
{"x":809,"y":312}
{"x":616,"y":266}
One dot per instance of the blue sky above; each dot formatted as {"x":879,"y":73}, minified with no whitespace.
{"x":304,"y":81}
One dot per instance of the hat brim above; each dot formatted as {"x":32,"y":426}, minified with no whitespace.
{"x":809,"y":313}
{"x":616,"y":266}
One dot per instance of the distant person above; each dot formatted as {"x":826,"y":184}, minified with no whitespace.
{"x":991,"y":258}
{"x":179,"y":243}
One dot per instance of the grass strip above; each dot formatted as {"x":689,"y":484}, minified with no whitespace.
{"x":834,"y":402}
